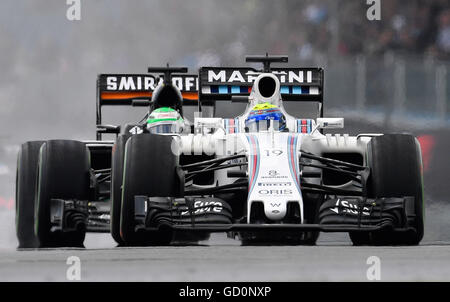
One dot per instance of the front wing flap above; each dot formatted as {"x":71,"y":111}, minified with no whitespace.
{"x":214,"y":215}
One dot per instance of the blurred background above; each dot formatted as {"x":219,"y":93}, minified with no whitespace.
{"x":391,"y":75}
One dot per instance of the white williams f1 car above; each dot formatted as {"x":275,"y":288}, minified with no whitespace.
{"x":266,"y":176}
{"x":263,"y":176}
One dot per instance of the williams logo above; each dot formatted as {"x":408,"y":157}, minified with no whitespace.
{"x":274,"y":174}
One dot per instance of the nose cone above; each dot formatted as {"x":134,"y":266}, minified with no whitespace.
{"x":275,"y":210}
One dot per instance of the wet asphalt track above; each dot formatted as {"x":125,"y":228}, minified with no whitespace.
{"x":222,"y":259}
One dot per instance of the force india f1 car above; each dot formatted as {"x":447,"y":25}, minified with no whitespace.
{"x":263,"y":176}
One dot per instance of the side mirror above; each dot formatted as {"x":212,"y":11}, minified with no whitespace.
{"x":108,"y":129}
{"x":140,"y":103}
{"x":205,"y":123}
{"x":330,"y":123}
{"x":239,"y":99}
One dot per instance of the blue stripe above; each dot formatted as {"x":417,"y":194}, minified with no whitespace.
{"x":236,"y":125}
{"x":294,"y":154}
{"x":284,"y":89}
{"x":296,"y":162}
{"x":227,"y":125}
{"x":309,"y":126}
{"x":253,"y":141}
{"x":305,"y":90}
{"x":244,"y":89}
{"x":214,"y":89}
{"x":235,"y":89}
{"x":223,"y":89}
{"x":296,"y":90}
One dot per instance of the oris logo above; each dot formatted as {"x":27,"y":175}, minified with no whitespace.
{"x":275,"y":192}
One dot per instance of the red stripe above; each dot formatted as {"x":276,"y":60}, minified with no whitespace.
{"x":292,"y":158}
{"x":254,"y":162}
{"x":231,"y":125}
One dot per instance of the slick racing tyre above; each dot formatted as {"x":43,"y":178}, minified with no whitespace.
{"x":63,"y":173}
{"x":150,"y":169}
{"x":395,"y":161}
{"x":27,"y":162}
{"x":116,"y":187}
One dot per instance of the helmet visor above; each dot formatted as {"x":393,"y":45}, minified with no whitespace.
{"x":161,"y":128}
{"x":254,"y":125}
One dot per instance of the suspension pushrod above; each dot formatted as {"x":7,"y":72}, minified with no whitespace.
{"x":330,"y":190}
{"x":351,"y":174}
{"x":215,"y":168}
{"x":216,"y":189}
{"x":332,"y":161}
{"x":211,"y":161}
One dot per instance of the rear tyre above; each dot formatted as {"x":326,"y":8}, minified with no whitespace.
{"x":27,"y":162}
{"x":116,"y":187}
{"x":63,"y":173}
{"x":395,"y":161}
{"x":150,"y":169}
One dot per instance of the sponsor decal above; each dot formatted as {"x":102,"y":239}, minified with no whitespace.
{"x":274,"y":184}
{"x":249,"y":76}
{"x":275,"y":192}
{"x":136,"y":130}
{"x":274,"y":174}
{"x":349,"y":207}
{"x":202,"y":206}
{"x":147,"y":83}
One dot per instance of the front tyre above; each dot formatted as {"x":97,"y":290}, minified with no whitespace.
{"x":395,"y":162}
{"x":63,"y":173}
{"x":150,"y":169}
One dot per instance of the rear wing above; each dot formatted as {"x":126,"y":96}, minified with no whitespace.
{"x":296,"y":84}
{"x":124,"y":89}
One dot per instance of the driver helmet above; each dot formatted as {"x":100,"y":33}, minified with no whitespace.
{"x":261,"y":115}
{"x":165,"y":120}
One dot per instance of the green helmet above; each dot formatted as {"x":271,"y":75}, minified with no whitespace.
{"x":165,"y":120}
